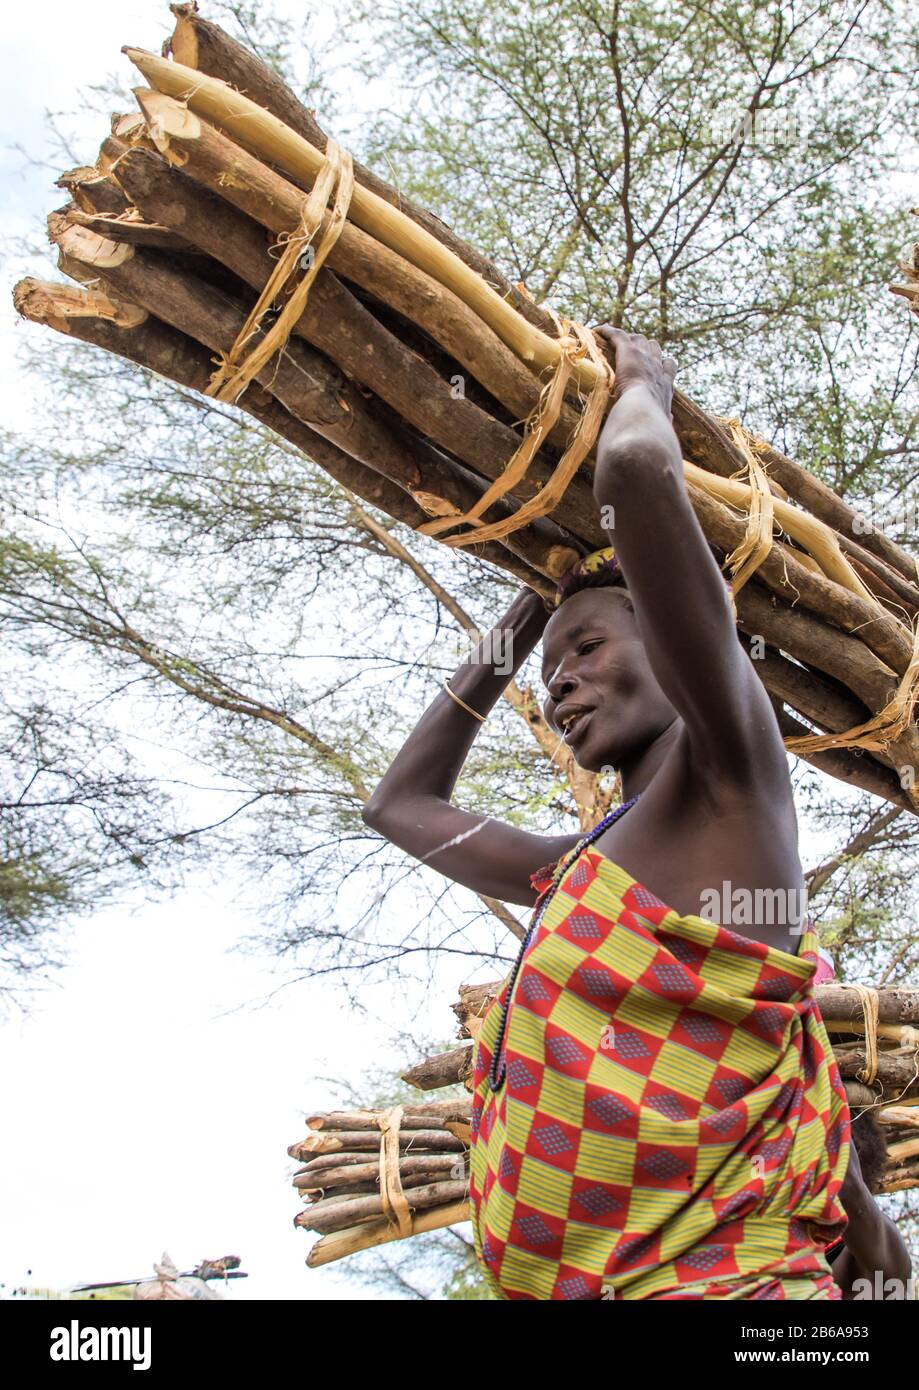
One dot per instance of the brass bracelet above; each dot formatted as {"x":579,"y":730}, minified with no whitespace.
{"x":462,"y":704}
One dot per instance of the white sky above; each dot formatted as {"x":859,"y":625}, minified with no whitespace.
{"x":150,"y":1095}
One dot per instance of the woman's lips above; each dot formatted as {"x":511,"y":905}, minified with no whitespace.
{"x":576,"y":726}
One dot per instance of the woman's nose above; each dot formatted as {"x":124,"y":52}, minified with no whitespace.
{"x":560,"y":684}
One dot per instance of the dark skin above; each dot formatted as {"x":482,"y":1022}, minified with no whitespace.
{"x":655,"y":685}
{"x":872,"y":1241}
{"x":666,"y":693}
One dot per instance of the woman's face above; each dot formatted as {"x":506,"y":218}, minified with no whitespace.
{"x":602,"y":693}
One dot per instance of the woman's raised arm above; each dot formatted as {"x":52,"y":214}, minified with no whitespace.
{"x":677,"y":591}
{"x":411,"y":805}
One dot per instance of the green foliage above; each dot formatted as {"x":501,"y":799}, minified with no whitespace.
{"x":207,"y":653}
{"x":588,"y":147}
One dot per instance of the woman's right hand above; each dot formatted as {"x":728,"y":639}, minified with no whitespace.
{"x":411,"y":806}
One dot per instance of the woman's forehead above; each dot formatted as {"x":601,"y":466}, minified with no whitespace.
{"x":582,"y":612}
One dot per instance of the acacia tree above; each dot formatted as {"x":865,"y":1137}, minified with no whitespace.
{"x":701,"y":174}
{"x":229,"y":646}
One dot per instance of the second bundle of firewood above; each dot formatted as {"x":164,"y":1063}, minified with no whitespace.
{"x":371,"y":1176}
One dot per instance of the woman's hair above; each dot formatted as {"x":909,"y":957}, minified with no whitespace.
{"x":601,"y":570}
{"x":599,"y":579}
{"x":871,"y":1147}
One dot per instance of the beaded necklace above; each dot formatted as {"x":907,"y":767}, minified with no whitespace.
{"x":498,"y":1068}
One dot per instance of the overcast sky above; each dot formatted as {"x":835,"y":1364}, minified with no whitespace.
{"x":150,"y":1094}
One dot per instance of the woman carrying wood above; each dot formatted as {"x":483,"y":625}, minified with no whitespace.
{"x":656,"y":1108}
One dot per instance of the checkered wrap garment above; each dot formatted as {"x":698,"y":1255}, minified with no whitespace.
{"x":672,"y":1124}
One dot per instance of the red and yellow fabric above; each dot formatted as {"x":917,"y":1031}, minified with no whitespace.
{"x":672,"y":1123}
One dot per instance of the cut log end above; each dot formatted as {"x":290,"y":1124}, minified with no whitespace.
{"x":434,"y":505}
{"x":52,"y":304}
{"x":559,"y":559}
{"x":166,"y":119}
{"x":83,"y":244}
{"x":183,"y":43}
{"x":128,"y":227}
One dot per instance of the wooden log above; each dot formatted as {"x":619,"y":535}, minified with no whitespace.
{"x":171,"y":354}
{"x":861,"y":1096}
{"x":443,"y":1069}
{"x":343,"y":1214}
{"x":376,"y":1233}
{"x":304,"y":381}
{"x":899,"y":1153}
{"x":896,"y":1071}
{"x":474,"y":1002}
{"x":895,"y":1006}
{"x":128,"y":130}
{"x":265,"y":135}
{"x":188,"y":305}
{"x":200,"y":91}
{"x":834,"y":653}
{"x":367,"y":1119}
{"x":428,"y":1166}
{"x":821,"y":501}
{"x":335,"y":1141}
{"x":93,"y":192}
{"x":342,"y":328}
{"x":902,"y":1115}
{"x":128,"y":228}
{"x":63,"y":306}
{"x":857,"y":769}
{"x":900,"y":1180}
{"x":898,"y":1135}
{"x":459,"y":1108}
{"x":860,"y":612}
{"x":234,"y":176}
{"x":242,"y":180}
{"x":275,"y":143}
{"x":704,"y":439}
{"x":409,"y":460}
{"x":795,"y":582}
{"x":840,"y":1028}
{"x":898,"y":597}
{"x":323,"y":1162}
{"x":709,"y":444}
{"x":346,"y":1191}
{"x":199,"y":43}
{"x":812,"y":535}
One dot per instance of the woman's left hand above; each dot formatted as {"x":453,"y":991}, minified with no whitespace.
{"x":640,"y":360}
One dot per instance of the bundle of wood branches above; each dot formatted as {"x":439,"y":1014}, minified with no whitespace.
{"x":874,"y":1034}
{"x":225,"y":242}
{"x":372,"y":1176}
{"x":901,"y":1125}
